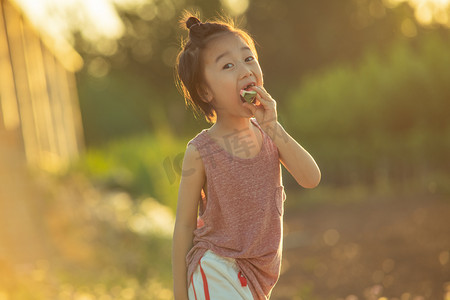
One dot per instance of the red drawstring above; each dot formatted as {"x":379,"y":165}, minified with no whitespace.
{"x":205,"y":282}
{"x":242,"y":279}
{"x":193,"y":287}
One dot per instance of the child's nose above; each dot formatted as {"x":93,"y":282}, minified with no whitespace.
{"x":246,"y":72}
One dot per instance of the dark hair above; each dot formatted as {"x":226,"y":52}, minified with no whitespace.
{"x":189,"y":65}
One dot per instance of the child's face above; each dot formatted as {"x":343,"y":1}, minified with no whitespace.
{"x":229,"y":66}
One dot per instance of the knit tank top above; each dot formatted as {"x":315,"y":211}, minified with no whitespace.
{"x":241,"y":216}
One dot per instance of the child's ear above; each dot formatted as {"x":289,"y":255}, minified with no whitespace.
{"x":205,"y":93}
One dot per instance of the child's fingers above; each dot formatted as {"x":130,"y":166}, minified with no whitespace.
{"x":263,"y":103}
{"x":266,"y":100}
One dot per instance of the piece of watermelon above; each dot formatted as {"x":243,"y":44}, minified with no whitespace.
{"x":249,"y":96}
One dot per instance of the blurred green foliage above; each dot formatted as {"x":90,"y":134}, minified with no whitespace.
{"x":384,"y":119}
{"x":128,"y":85}
{"x":146,"y":165}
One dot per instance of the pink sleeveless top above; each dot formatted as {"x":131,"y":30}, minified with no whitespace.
{"x":241,"y":217}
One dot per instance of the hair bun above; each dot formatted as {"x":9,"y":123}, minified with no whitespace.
{"x":192,"y":21}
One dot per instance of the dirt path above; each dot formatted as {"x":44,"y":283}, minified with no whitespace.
{"x":397,"y":249}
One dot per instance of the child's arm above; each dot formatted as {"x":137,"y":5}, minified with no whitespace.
{"x":192,"y":181}
{"x":296,"y":159}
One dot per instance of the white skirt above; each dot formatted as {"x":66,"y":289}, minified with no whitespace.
{"x":218,"y":278}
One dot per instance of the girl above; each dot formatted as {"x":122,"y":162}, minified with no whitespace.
{"x":228,"y":232}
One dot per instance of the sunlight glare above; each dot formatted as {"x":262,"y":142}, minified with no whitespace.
{"x":103,"y":20}
{"x":131,"y":4}
{"x":235,"y":7}
{"x":152,"y":218}
{"x":94,"y":19}
{"x":427,"y":11}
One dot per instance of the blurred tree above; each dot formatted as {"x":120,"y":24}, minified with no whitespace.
{"x":298,"y":37}
{"x":145,"y":98}
{"x":382,"y":120}
{"x":295,"y":38}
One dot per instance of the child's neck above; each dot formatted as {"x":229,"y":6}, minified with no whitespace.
{"x":230,"y":125}
{"x":237,"y":134}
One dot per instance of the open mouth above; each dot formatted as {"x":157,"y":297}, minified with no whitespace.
{"x":247,"y":95}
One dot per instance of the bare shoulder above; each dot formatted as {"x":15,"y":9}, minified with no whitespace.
{"x":191,"y":152}
{"x":193,"y":167}
{"x":191,"y":184}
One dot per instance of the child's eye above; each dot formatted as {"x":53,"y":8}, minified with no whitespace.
{"x":250,"y":58}
{"x":227,"y":66}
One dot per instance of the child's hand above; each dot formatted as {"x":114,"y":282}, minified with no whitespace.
{"x":264,"y":110}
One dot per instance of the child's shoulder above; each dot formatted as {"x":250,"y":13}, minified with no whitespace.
{"x":202,"y":142}
{"x":191,"y":151}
